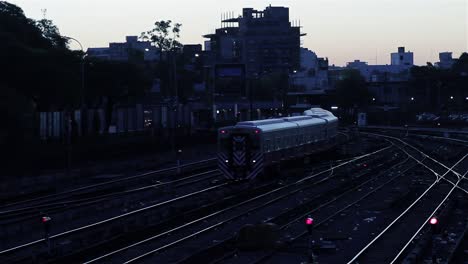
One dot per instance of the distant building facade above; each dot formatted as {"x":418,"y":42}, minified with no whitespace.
{"x":388,"y":83}
{"x":247,"y":50}
{"x":398,"y":70}
{"x":310,"y":82}
{"x":125,"y":51}
{"x":264,"y":41}
{"x":402,"y":57}
{"x":445,"y":60}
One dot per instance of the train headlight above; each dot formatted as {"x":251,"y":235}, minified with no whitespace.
{"x":227,"y":161}
{"x":254,"y":161}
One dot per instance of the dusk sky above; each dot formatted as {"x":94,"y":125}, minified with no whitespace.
{"x":342,"y":30}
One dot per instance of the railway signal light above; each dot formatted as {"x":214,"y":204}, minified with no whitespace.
{"x":46,"y":223}
{"x":309,"y":223}
{"x":434,"y":222}
{"x":45,"y":219}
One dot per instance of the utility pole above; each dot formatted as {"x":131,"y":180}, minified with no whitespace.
{"x":69,"y":115}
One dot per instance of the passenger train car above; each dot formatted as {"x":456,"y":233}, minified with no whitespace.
{"x":247,"y":149}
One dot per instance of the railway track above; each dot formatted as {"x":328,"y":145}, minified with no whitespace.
{"x":196,"y":223}
{"x":63,"y":204}
{"x":267,"y":198}
{"x":290,"y":252}
{"x":323,"y":207}
{"x":108,"y":186}
{"x":74,"y":234}
{"x":397,"y":234}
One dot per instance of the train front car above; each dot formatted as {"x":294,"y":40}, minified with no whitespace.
{"x":239,"y":151}
{"x":249,"y":148}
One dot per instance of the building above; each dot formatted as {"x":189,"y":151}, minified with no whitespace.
{"x":397,"y":71}
{"x":388,"y":83}
{"x":248,"y":51}
{"x":310,"y":82}
{"x":402,"y":58}
{"x":378,"y":73}
{"x":126,"y":51}
{"x":445,"y":60}
{"x":264,"y":41}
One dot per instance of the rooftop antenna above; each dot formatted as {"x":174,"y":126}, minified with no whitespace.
{"x":44,"y":13}
{"x":376,"y":57}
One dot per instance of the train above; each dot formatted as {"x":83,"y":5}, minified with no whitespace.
{"x":250,"y":148}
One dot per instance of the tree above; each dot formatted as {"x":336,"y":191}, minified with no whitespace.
{"x":351,"y":90}
{"x":38,"y":67}
{"x":160,"y":36}
{"x":51,"y":33}
{"x":113,"y":82}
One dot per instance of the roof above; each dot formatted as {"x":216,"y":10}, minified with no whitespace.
{"x":260,"y":122}
{"x":277,"y":127}
{"x":314,"y":116}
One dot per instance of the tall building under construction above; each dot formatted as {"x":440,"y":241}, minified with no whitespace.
{"x":262,"y":41}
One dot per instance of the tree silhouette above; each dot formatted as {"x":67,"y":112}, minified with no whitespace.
{"x":164,"y":35}
{"x":351,"y":90}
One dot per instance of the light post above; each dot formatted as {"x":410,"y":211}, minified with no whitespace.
{"x":69,"y":115}
{"x":82,"y":70}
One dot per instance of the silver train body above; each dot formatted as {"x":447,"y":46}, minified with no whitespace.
{"x":247,"y":149}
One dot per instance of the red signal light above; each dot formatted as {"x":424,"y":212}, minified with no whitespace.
{"x":223,"y":131}
{"x":257,"y":131}
{"x":309,"y":221}
{"x":433,"y":221}
{"x":45,"y":219}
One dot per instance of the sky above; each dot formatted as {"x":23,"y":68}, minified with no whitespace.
{"x":342,"y":30}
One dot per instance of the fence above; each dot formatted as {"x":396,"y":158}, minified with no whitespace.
{"x":56,"y":125}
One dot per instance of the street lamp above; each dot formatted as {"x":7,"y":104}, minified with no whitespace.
{"x":412,"y":98}
{"x":69,"y":120}
{"x":82,"y":69}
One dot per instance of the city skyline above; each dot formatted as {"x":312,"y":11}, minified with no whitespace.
{"x":340,"y":30}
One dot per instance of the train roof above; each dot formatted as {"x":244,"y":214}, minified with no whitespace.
{"x":260,"y":122}
{"x":321,"y":113}
{"x":314,"y":116}
{"x":277,"y":126}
